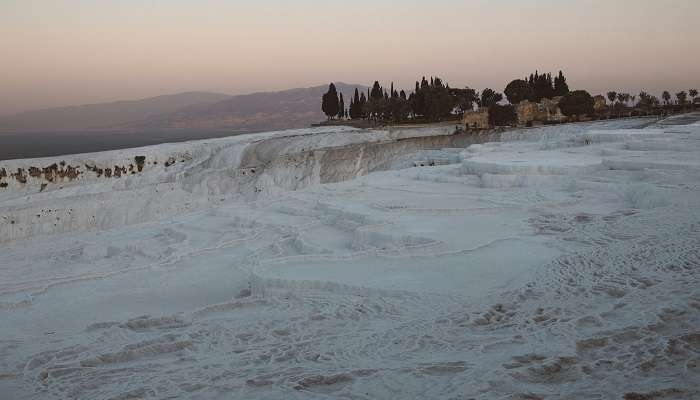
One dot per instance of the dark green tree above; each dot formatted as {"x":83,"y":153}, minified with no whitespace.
{"x":355,"y":106}
{"x":646,"y":101}
{"x":548,"y":87}
{"x":502,"y":115}
{"x":376,"y":91}
{"x":433,"y":100}
{"x":329,"y":102}
{"x":561,"y":88}
{"x":612,"y":96}
{"x":363,"y":108}
{"x":398,"y":107}
{"x":666,"y":96}
{"x":376,"y":102}
{"x":517,"y":91}
{"x":352,"y":108}
{"x":490,"y":97}
{"x":440,"y":103}
{"x":418,"y":100}
{"x":623,"y":98}
{"x":577,"y":103}
{"x":465,"y":99}
{"x":542,"y":86}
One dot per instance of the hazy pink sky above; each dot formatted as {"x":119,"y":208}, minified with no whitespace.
{"x":68,"y":52}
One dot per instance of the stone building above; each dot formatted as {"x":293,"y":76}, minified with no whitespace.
{"x":527,"y":112}
{"x":599,"y":104}
{"x":547,"y":110}
{"x":478,"y":119}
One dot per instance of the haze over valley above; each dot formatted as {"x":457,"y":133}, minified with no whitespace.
{"x":169,"y":118}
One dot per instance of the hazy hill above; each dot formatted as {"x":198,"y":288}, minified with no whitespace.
{"x":104,"y":115}
{"x":293,"y":108}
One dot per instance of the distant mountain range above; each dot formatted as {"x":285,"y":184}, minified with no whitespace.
{"x":104,"y":115}
{"x":294,"y":108}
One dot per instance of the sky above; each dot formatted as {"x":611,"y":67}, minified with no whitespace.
{"x":68,"y":52}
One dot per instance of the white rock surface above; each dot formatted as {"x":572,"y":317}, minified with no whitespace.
{"x":528,"y":269}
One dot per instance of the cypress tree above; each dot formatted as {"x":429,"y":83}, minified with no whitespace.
{"x":329,"y":102}
{"x":377,"y":92}
{"x":375,"y":101}
{"x":542,"y":86}
{"x":341,"y":107}
{"x":549,"y":87}
{"x":355,"y":106}
{"x":418,"y":103}
{"x":362,"y":108}
{"x":561,"y":88}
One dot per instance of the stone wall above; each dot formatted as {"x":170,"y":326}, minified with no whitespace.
{"x":546,"y":110}
{"x":526,"y":111}
{"x":599,"y":103}
{"x":477,"y":119}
